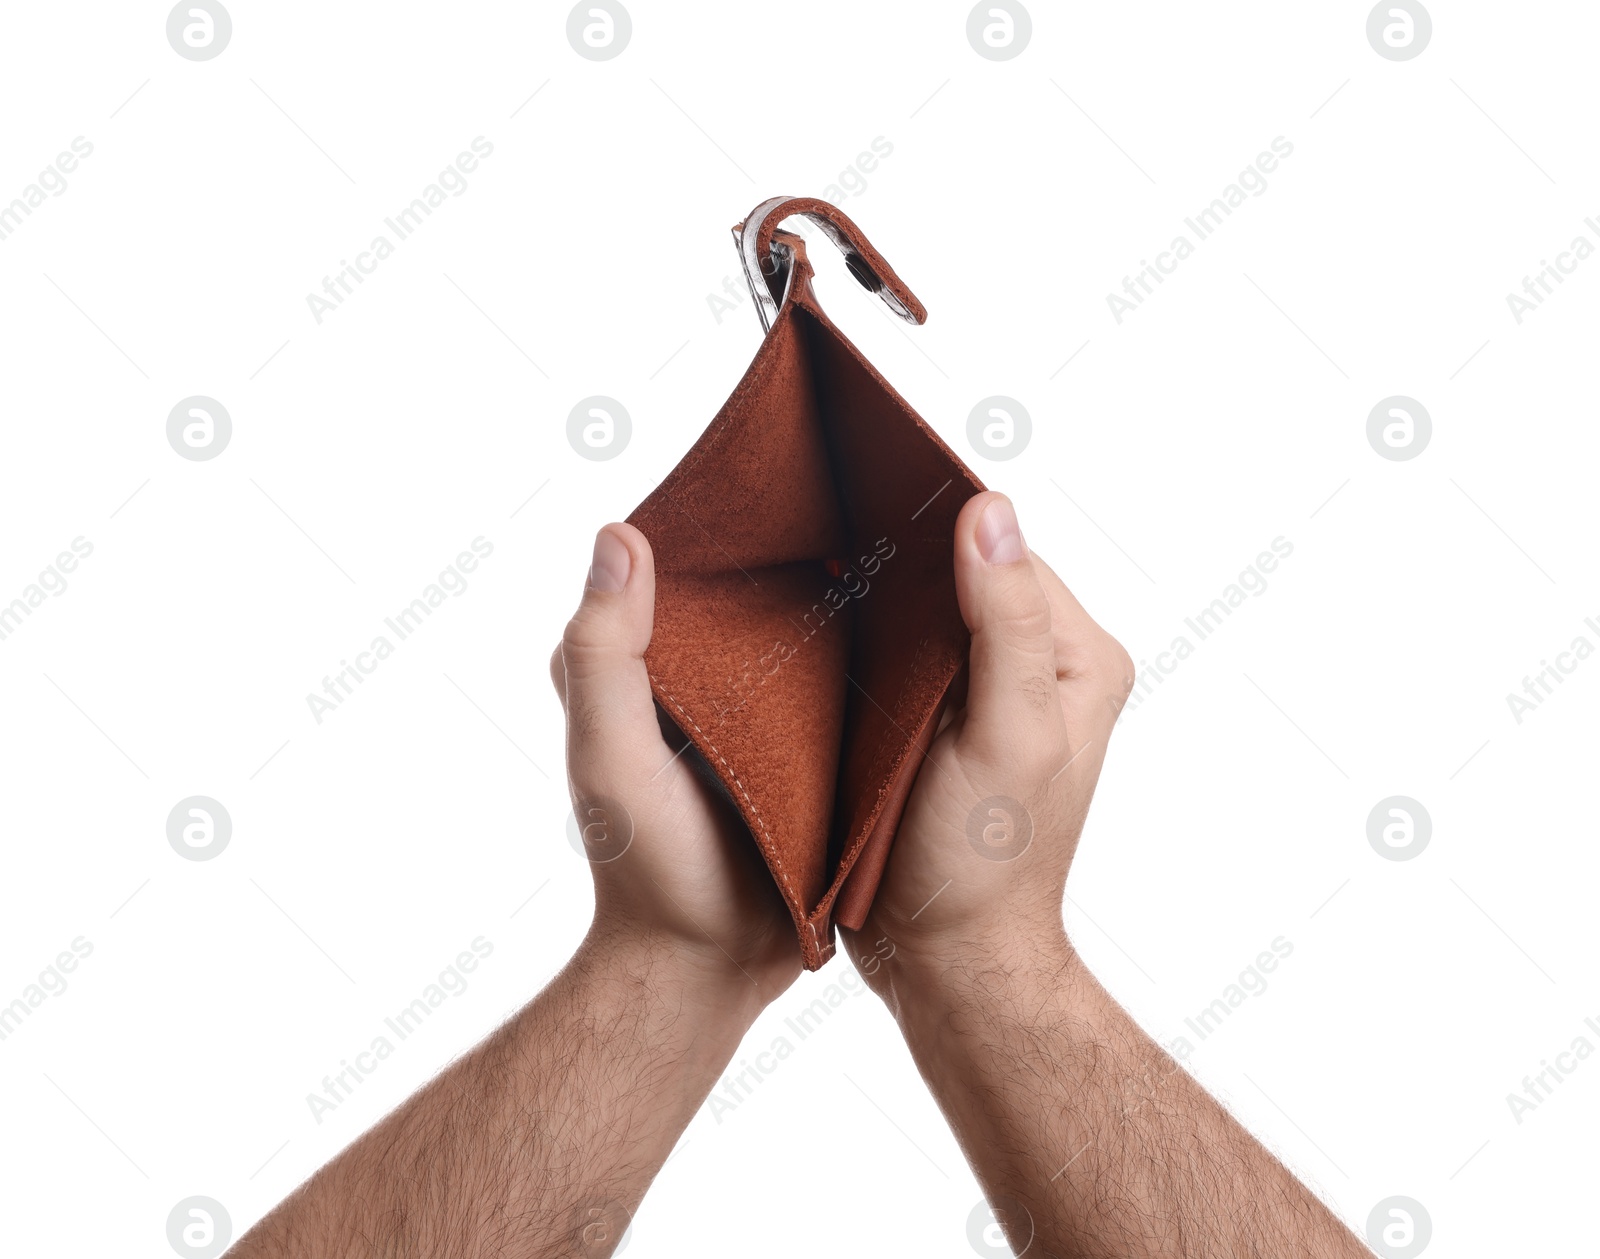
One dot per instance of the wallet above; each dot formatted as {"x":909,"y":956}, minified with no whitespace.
{"x":807,"y":636}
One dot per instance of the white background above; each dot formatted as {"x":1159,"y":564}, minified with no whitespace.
{"x":369,"y":449}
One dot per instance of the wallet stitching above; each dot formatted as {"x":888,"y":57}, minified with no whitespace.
{"x":766,"y":834}
{"x":718,"y":435}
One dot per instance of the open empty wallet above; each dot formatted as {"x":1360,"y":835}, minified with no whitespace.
{"x":807,"y":636}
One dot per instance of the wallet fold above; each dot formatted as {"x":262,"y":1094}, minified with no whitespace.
{"x":807,"y":634}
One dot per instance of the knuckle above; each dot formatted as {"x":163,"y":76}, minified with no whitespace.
{"x":1025,"y":615}
{"x":1118,"y":664}
{"x":583,"y":641}
{"x":578,"y":630}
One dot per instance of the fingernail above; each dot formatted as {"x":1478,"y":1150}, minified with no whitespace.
{"x":608,"y":572}
{"x":999,"y":536}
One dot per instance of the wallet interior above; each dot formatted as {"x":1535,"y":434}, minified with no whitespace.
{"x":807,"y":632}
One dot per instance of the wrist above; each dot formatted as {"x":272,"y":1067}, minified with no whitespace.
{"x":694,"y":987}
{"x":978,"y":971}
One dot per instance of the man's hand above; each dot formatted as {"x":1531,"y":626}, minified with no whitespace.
{"x":672,"y":860}
{"x":1089,"y":1141}
{"x":543,"y":1139}
{"x":980,"y":861}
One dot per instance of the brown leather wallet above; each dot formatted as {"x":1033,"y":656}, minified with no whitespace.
{"x":807,"y":635}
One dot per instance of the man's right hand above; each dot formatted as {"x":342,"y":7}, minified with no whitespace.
{"x":1087,"y":1138}
{"x":979,"y":865}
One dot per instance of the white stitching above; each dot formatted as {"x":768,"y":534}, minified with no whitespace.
{"x":824,"y":951}
{"x":761,"y":822}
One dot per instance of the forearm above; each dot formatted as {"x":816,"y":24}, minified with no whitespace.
{"x":1064,"y":1106}
{"x":543,"y":1139}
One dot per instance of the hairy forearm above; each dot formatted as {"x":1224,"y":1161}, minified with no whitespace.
{"x":1068,"y":1111}
{"x":543,"y":1139}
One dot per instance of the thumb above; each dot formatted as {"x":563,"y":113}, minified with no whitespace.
{"x":605,"y":687}
{"x":1013,"y":712}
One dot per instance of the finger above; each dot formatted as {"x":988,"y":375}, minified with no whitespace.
{"x":1068,"y":615}
{"x":611,"y":723}
{"x":1083,"y":646}
{"x":1012,"y":707}
{"x":1094,"y":671}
